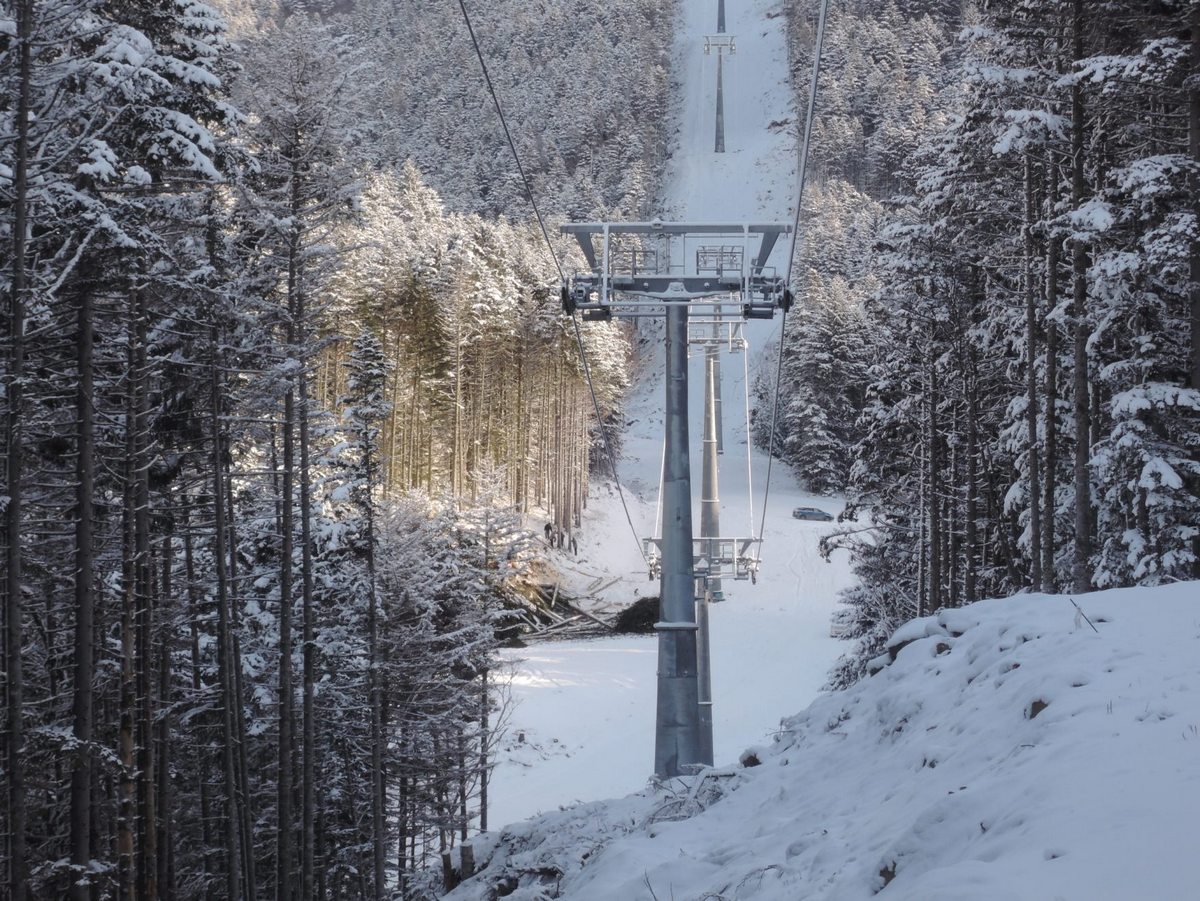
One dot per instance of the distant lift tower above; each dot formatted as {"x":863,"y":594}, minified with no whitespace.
{"x":722,"y":43}
{"x":638,"y":269}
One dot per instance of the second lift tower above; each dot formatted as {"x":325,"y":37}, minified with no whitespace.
{"x":662,"y":269}
{"x":723,"y":44}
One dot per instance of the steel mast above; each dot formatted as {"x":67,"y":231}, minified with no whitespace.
{"x":661,"y":269}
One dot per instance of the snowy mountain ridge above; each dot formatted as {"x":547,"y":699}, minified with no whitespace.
{"x":1012,"y":749}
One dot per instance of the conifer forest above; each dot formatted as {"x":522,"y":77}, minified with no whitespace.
{"x":287,"y":394}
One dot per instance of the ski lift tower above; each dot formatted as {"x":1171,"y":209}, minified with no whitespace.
{"x":665,"y":269}
{"x":723,"y":44}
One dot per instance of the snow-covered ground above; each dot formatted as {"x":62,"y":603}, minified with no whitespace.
{"x":583,"y":727}
{"x":1013,"y":751}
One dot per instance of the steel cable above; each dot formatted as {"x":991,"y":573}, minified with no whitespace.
{"x":508,"y":135}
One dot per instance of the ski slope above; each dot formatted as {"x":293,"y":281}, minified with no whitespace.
{"x":582,"y":727}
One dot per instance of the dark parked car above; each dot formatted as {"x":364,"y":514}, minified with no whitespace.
{"x":812,"y":514}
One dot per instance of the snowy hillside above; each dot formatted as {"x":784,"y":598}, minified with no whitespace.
{"x":1009,"y":751}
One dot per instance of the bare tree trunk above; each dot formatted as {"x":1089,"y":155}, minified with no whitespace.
{"x":560,"y":513}
{"x":1050,"y":502}
{"x":412,"y":461}
{"x":1081,"y":578}
{"x":202,"y":758}
{"x":582,"y":463}
{"x":126,"y":827}
{"x":935,"y":493}
{"x":147,"y":859}
{"x":322,"y":878}
{"x":923,"y":529}
{"x":308,"y":791}
{"x":283,"y":797}
{"x":18,"y":867}
{"x":456,"y":454}
{"x":953,"y":527}
{"x":166,"y":835}
{"x":393,"y":462}
{"x":587,"y":459}
{"x":378,"y":782}
{"x":1194,"y":250}
{"x":463,"y":779}
{"x":543,"y":471}
{"x":241,"y":764}
{"x":81,"y":773}
{"x":441,"y":806}
{"x":224,"y":650}
{"x":484,"y":750}
{"x":521,"y":453}
{"x":1031,"y":411}
{"x":971,"y":574}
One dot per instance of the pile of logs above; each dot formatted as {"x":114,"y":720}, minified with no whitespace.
{"x":551,"y":615}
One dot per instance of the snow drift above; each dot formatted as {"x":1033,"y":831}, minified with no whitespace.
{"x":1013,"y":749}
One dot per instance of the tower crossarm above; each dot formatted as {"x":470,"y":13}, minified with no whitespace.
{"x":722,"y":43}
{"x":712,"y":558}
{"x":676,"y":262}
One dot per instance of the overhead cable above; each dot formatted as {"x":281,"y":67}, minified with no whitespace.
{"x":508,"y":135}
